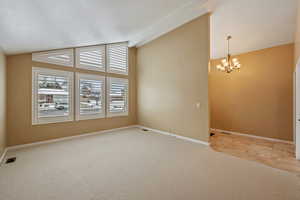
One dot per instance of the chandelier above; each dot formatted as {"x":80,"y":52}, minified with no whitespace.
{"x":228,"y":64}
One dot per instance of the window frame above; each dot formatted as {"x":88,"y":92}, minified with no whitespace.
{"x":112,"y":71}
{"x":108,"y":86}
{"x":86,"y":76}
{"x":51,"y":119}
{"x":87,"y":67}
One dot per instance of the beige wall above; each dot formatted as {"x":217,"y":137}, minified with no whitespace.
{"x":172,"y":76}
{"x":20,"y":130}
{"x":297,"y":41}
{"x":257,"y":100}
{"x":2,"y":102}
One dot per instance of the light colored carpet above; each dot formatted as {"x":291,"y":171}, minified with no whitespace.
{"x":136,"y":165}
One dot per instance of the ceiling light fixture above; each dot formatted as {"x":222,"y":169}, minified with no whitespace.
{"x":229,"y":65}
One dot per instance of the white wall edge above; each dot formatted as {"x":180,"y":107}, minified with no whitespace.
{"x":3,"y":155}
{"x":252,"y":136}
{"x":296,"y":96}
{"x":174,"y":135}
{"x":15,"y":147}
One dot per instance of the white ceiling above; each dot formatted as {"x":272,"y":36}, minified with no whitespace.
{"x":253,"y":24}
{"x":35,"y":25}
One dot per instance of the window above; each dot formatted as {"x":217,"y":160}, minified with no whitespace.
{"x":117,"y":58}
{"x":117,"y":97}
{"x":97,"y":95}
{"x":63,"y":57}
{"x":92,"y":58}
{"x":90,"y":101}
{"x":52,"y":92}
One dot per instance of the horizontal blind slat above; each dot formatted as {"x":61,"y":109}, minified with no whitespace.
{"x":91,"y":57}
{"x":118,"y":95}
{"x":63,"y":57}
{"x":117,"y":58}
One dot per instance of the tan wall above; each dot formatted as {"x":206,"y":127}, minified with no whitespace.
{"x":257,"y":100}
{"x":2,"y":102}
{"x":20,"y":130}
{"x":172,"y":76}
{"x":297,"y":41}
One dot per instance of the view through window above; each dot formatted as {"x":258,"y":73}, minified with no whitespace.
{"x":53,"y":96}
{"x":118,"y":98}
{"x":90,"y":96}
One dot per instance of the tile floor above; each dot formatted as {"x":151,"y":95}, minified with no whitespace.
{"x":278,"y":155}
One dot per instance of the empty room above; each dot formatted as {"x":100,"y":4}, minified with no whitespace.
{"x":144,"y":100}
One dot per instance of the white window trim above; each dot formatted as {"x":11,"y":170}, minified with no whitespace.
{"x":82,"y":66}
{"x":107,"y":60}
{"x":52,"y":119}
{"x":42,"y":57}
{"x":118,"y":114}
{"x":92,"y":115}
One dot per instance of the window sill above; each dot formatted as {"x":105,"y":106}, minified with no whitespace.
{"x":89,"y":117}
{"x":110,"y":115}
{"x":50,"y":121}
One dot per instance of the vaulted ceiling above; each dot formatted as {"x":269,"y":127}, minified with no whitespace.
{"x":253,"y":24}
{"x":35,"y":25}
{"x":32,"y":25}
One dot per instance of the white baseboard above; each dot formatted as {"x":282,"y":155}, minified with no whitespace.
{"x":67,"y":138}
{"x":174,"y":135}
{"x":15,"y":147}
{"x":3,"y":155}
{"x":252,"y":136}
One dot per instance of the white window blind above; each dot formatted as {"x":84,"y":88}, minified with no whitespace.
{"x":52,"y":96}
{"x":63,"y":57}
{"x":117,"y":96}
{"x":92,"y":58}
{"x":90,"y":101}
{"x":117,"y":58}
